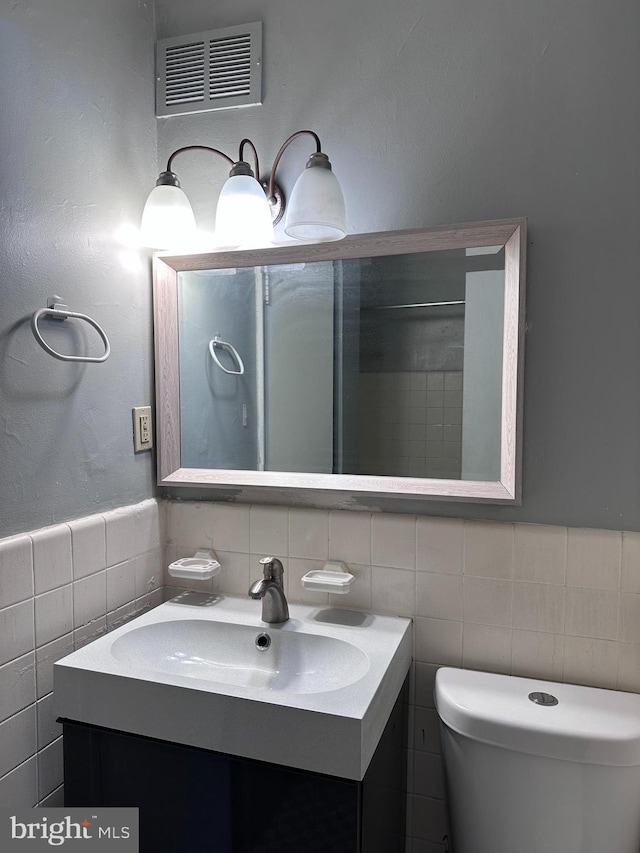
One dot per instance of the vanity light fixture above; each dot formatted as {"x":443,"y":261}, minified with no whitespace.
{"x":248,"y":207}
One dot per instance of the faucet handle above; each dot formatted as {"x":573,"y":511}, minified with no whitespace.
{"x":272,"y":568}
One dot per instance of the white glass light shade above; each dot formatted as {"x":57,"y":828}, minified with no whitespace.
{"x":316,"y":208}
{"x":167,"y":219}
{"x":243,"y":217}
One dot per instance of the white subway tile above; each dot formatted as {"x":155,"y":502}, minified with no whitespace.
{"x":438,"y":641}
{"x":120,"y":535}
{"x":425,"y":679}
{"x":269,"y":527}
{"x":428,"y":776}
{"x":120,"y":616}
{"x":46,"y":656}
{"x":205,"y":586}
{"x":148,"y":572}
{"x":592,"y":613}
{"x":359,"y":595}
{"x":350,"y":537}
{"x":16,"y":630}
{"x":17,"y":685}
{"x":629,"y":667}
{"x":488,"y":549}
{"x":89,"y":633}
{"x":17,"y":739}
{"x":630,"y":617}
{"x":453,"y":380}
{"x":121,"y":584}
{"x":19,"y":788}
{"x":426,"y":731}
{"x":309,"y":534}
{"x":53,"y":614}
{"x":147,"y":527}
{"x":540,"y":553}
{"x":50,"y":768}
{"x":439,"y":596}
{"x":52,"y":565}
{"x":48,"y":728}
{"x":88,"y":545}
{"x":590,"y":662}
{"x":295,"y":568}
{"x":488,"y":602}
{"x":393,"y":541}
{"x":16,"y":570}
{"x":594,"y":558}
{"x":538,"y":607}
{"x":235,"y":574}
{"x":231,"y":527}
{"x":429,"y":818}
{"x":439,"y":545}
{"x":487,"y":648}
{"x":631,"y":562}
{"x":409,"y":759}
{"x":393,"y":591}
{"x":55,"y":800}
{"x":537,"y":655}
{"x":435,"y":380}
{"x":89,"y":598}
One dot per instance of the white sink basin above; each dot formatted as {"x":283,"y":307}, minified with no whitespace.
{"x":189,"y":672}
{"x":224,"y":653}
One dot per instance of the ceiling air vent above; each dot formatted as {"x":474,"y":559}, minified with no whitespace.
{"x":212,"y":70}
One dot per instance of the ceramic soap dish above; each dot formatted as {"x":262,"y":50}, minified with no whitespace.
{"x":201,"y":567}
{"x":332,"y":577}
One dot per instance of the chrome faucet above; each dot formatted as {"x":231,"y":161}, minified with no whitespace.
{"x":269,"y":588}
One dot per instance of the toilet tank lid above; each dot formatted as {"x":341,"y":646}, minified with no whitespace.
{"x":587,"y":725}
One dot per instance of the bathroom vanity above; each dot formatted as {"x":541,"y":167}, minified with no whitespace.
{"x":230,"y":748}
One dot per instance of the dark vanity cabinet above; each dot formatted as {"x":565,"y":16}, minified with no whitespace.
{"x":196,"y":801}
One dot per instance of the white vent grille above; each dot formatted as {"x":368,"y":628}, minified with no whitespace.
{"x":213,"y":70}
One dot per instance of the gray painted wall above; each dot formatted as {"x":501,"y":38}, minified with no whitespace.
{"x":77,"y":153}
{"x":455,"y":110}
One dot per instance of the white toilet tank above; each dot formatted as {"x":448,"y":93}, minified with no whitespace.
{"x":524,"y":777}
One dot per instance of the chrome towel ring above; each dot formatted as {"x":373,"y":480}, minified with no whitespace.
{"x":57,"y":311}
{"x":218,"y":343}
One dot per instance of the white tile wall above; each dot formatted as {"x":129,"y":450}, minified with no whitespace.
{"x":538,"y":601}
{"x":410,"y":423}
{"x":532,"y":600}
{"x":59,"y":588}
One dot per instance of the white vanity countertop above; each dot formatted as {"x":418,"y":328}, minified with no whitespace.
{"x":317,"y":701}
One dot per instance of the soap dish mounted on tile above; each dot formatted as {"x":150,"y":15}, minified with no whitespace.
{"x":201,"y":567}
{"x":333,"y":577}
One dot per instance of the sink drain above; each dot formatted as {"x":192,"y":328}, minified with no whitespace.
{"x":263,"y":641}
{"x":543,"y":698}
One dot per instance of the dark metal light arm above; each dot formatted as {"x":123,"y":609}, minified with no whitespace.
{"x":283,"y":147}
{"x":169,"y":173}
{"x":255,"y":155}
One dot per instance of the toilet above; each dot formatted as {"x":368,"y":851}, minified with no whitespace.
{"x":538,"y":767}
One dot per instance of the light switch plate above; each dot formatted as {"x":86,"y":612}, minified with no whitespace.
{"x":142,"y":428}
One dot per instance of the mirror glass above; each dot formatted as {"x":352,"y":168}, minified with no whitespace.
{"x":395,"y":363}
{"x":385,"y":366}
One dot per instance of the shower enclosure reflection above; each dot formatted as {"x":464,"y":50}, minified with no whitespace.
{"x":387,"y":366}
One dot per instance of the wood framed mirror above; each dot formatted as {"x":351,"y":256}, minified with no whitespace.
{"x":384,"y":364}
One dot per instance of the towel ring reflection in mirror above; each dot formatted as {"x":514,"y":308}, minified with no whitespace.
{"x":217,"y":343}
